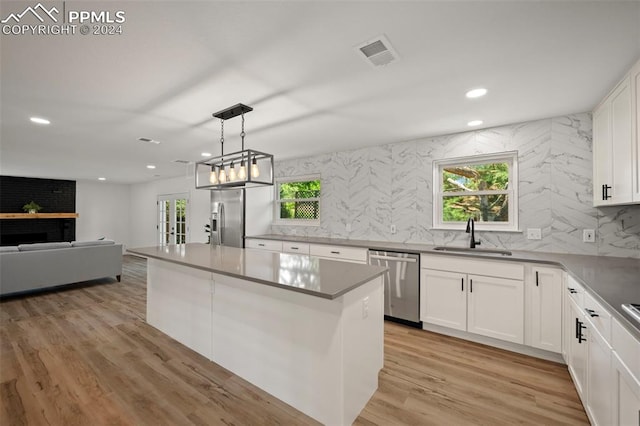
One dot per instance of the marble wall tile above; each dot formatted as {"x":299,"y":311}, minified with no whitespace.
{"x":372,"y":188}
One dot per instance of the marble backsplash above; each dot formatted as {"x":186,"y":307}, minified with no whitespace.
{"x":372,"y":188}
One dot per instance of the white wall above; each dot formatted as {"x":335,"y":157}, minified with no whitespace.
{"x":104,"y":211}
{"x":143,"y":213}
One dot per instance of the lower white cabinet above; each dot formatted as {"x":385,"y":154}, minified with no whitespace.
{"x":453,"y":296}
{"x":269,"y":245}
{"x":626,"y":394}
{"x":443,"y":298}
{"x":577,"y":351}
{"x":598,"y":372}
{"x":346,"y":254}
{"x":543,"y":322}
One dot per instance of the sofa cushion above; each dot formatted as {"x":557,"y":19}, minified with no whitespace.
{"x":8,"y":249}
{"x":43,"y":246}
{"x":92,"y":243}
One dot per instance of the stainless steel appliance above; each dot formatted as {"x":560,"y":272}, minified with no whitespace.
{"x":228,"y":217}
{"x":401,"y":285}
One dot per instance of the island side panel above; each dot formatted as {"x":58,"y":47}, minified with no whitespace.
{"x":179,"y":303}
{"x":286,"y":343}
{"x":363,"y":345}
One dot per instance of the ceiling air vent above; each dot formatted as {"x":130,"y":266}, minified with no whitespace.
{"x":378,"y":52}
{"x":182,"y":161}
{"x":148,"y":140}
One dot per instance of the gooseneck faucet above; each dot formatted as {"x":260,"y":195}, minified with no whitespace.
{"x":471,"y":229}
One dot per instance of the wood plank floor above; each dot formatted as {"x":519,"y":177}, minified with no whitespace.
{"x":85,"y":356}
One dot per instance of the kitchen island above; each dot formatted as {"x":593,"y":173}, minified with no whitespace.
{"x":308,"y":331}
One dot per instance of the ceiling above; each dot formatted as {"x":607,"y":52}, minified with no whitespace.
{"x":295,"y":63}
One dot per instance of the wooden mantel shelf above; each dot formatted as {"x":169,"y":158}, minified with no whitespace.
{"x":38,"y":215}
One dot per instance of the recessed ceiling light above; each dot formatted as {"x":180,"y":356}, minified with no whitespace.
{"x":474,"y":123}
{"x":39,"y":120}
{"x":476,"y":93}
{"x":101,"y":178}
{"x":150,"y":166}
{"x":206,"y":154}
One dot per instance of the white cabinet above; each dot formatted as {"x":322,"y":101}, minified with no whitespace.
{"x":269,"y":245}
{"x":346,"y":254}
{"x":496,"y":308}
{"x":479,"y":296}
{"x":577,"y":360}
{"x":295,"y":247}
{"x":615,"y":145}
{"x":443,"y":298}
{"x":543,"y":307}
{"x":626,"y":394}
{"x":635,"y":125}
{"x":598,"y":372}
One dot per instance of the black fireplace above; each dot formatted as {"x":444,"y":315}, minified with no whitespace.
{"x":54,"y":195}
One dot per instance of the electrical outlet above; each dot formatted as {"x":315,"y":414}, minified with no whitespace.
{"x":365,"y":307}
{"x":534,"y":234}
{"x":393,"y":229}
{"x":588,"y":236}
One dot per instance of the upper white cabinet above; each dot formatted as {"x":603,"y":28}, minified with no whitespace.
{"x":615,"y":144}
{"x":543,"y":296}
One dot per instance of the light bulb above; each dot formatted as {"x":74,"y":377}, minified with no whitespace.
{"x":242,"y":172}
{"x":222,"y":177}
{"x":213,"y":176}
{"x":232,"y":173}
{"x":255,"y":171}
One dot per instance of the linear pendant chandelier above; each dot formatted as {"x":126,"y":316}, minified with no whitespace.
{"x":241,"y":169}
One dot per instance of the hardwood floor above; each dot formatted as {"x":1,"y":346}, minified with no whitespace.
{"x":84,"y":355}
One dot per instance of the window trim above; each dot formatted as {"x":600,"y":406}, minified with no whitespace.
{"x":276,"y":203}
{"x":510,"y":157}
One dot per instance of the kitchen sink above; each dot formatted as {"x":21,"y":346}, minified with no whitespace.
{"x":473,"y":250}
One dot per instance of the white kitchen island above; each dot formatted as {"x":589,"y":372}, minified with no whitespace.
{"x":308,"y":331}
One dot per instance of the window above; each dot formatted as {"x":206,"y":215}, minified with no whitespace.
{"x":298,"y":200}
{"x":482,"y":187}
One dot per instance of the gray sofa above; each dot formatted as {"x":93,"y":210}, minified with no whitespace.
{"x":29,"y":267}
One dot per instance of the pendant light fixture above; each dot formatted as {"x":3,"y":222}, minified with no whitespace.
{"x":221,"y":172}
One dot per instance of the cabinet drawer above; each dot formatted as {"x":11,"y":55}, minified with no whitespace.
{"x":271,"y":245}
{"x":300,"y":248}
{"x":486,"y":267}
{"x":626,"y":346}
{"x":598,"y":316}
{"x":339,"y":253}
{"x":576,"y":291}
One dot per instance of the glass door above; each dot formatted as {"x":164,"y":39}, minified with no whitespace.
{"x":172,"y":219}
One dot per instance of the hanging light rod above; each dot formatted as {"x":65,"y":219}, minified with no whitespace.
{"x":233,"y":111}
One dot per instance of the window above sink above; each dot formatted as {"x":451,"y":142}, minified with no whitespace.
{"x":483,"y":187}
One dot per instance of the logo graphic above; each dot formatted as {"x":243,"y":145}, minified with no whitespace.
{"x":34,"y":11}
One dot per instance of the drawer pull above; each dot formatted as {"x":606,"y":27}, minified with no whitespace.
{"x":335,"y":252}
{"x":261,"y":245}
{"x":294,"y":248}
{"x":592,"y":313}
{"x":572,"y":290}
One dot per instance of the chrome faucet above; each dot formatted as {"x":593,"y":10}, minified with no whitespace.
{"x":471,"y":229}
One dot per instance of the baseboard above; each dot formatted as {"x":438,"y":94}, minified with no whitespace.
{"x":513,"y":347}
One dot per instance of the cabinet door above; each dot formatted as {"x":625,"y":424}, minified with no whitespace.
{"x":496,"y":308}
{"x":602,"y":163}
{"x":443,"y":298}
{"x":635,"y":122}
{"x":599,"y":390}
{"x":269,"y":245}
{"x":545,"y":308}
{"x":577,"y":361}
{"x":626,"y":394}
{"x":621,"y":143}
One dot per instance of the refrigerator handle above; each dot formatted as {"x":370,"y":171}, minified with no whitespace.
{"x":221,"y":221}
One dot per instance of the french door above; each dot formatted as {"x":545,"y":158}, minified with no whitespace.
{"x":172,"y":219}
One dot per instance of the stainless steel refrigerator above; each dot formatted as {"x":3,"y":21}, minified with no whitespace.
{"x":228,"y":217}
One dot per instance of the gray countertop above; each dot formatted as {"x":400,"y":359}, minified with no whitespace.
{"x":318,"y":277}
{"x":611,"y":280}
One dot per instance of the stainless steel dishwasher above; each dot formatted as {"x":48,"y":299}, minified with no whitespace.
{"x":401,"y":285}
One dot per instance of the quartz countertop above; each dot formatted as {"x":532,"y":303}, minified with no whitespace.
{"x":611,"y":280}
{"x":318,"y":277}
